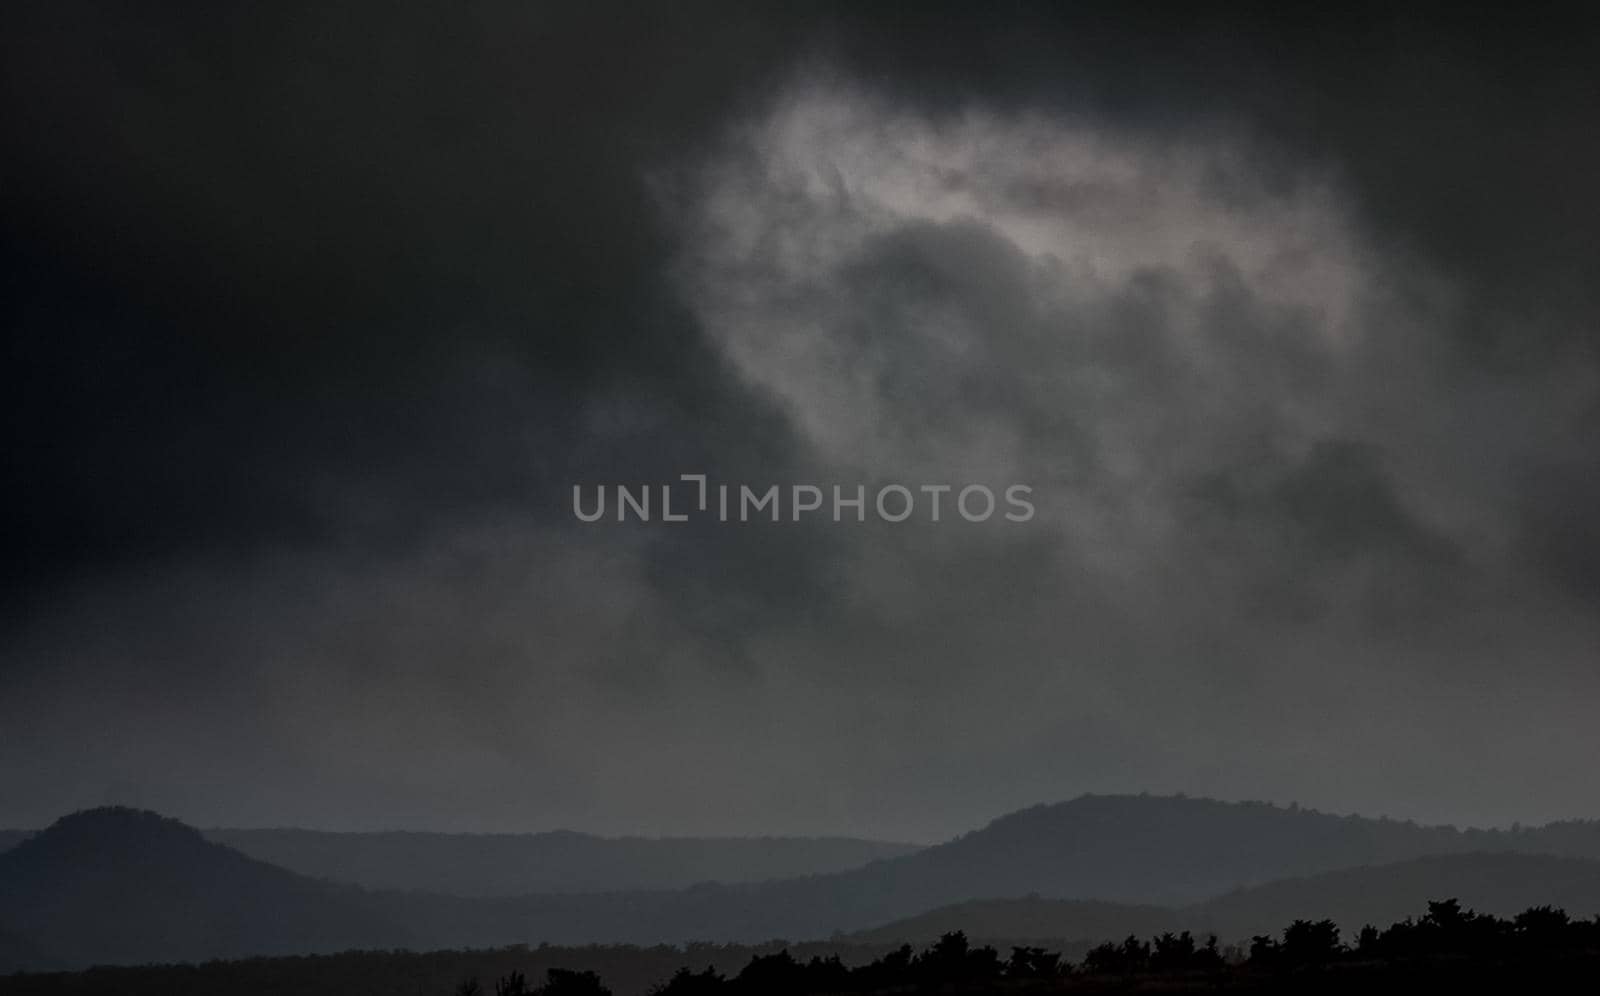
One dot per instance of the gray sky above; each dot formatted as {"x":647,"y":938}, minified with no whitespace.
{"x":314,"y":319}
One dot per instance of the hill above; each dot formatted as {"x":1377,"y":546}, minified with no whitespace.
{"x":561,"y":861}
{"x":1502,"y":884}
{"x":1499,"y":883}
{"x":1135,"y":850}
{"x":125,"y":886}
{"x":1177,"y":850}
{"x":114,"y":885}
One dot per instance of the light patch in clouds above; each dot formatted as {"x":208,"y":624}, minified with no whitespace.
{"x":1021,"y":298}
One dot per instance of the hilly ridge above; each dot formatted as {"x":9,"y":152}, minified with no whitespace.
{"x":1502,"y":883}
{"x":119,"y":885}
{"x":126,"y":886}
{"x":1137,"y":850}
{"x":504,"y":864}
{"x":519,"y":864}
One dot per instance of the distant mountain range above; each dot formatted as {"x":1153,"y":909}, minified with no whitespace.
{"x":119,"y":885}
{"x":125,"y":886}
{"x":1502,"y":883}
{"x":561,"y":861}
{"x":506,"y":864}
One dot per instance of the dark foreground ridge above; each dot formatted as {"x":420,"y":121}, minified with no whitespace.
{"x":1448,"y":946}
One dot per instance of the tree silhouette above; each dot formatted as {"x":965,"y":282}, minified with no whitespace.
{"x":687,"y":983}
{"x":1033,"y":963}
{"x":1311,"y":942}
{"x":515,"y":984}
{"x":561,"y":982}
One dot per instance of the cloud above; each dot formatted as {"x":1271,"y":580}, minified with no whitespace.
{"x":318,"y":318}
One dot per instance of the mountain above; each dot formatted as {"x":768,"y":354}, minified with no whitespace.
{"x":1501,"y":883}
{"x":472,"y":864}
{"x":1177,"y":850}
{"x":118,"y":885}
{"x":562,"y":861}
{"x":125,"y":886}
{"x":1136,"y":850}
{"x":1139,"y":850}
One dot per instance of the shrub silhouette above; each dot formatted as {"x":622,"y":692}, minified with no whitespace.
{"x":687,"y":983}
{"x":561,"y":982}
{"x":1033,"y":963}
{"x":1308,"y":942}
{"x":1539,"y":938}
{"x":953,"y":959}
{"x":515,"y":984}
{"x":1132,"y":955}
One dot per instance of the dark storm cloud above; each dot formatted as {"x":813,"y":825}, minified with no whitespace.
{"x":315,"y":316}
{"x":255,"y":254}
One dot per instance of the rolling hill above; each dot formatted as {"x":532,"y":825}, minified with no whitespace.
{"x":118,"y":886}
{"x":1131,"y":850}
{"x":1502,"y":883}
{"x":560,"y":861}
{"x":124,"y":886}
{"x":1176,"y":850}
{"x":518,"y":864}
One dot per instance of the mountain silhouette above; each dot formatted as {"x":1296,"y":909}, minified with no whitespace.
{"x":1501,"y":883}
{"x":117,"y":885}
{"x":504,"y":864}
{"x":125,"y":886}
{"x":1175,"y":850}
{"x":1132,"y":850}
{"x":1137,"y":850}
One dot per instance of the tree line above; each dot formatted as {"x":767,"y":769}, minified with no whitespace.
{"x":1446,"y":930}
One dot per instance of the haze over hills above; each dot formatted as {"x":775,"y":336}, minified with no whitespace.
{"x":518,"y":864}
{"x":118,"y":885}
{"x":1173,"y":850}
{"x":1139,"y":850}
{"x":125,"y":886}
{"x":1502,"y":883}
{"x":559,"y":861}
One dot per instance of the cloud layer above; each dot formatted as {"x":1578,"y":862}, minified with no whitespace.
{"x":310,"y":347}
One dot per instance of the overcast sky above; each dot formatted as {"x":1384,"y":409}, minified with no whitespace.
{"x":314,"y":318}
